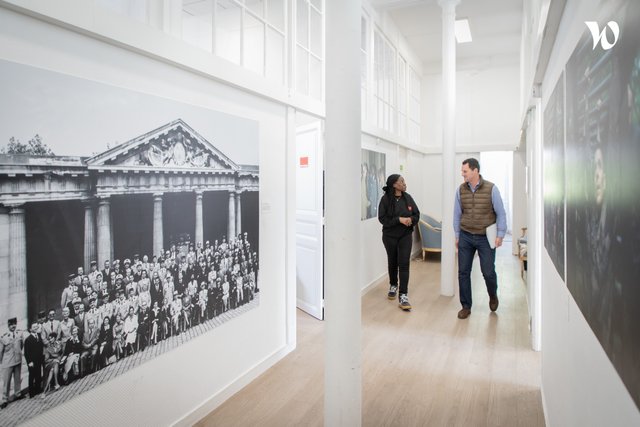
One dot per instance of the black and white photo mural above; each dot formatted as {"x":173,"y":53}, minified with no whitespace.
{"x":554,"y":177}
{"x":372,"y":179}
{"x":603,"y":206}
{"x":129,"y":225}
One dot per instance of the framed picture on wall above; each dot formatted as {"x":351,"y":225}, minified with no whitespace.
{"x":372,"y":179}
{"x":554,"y":192}
{"x":130,"y":225}
{"x":603,"y":207}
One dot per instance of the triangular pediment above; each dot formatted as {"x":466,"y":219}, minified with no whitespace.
{"x":174,"y":145}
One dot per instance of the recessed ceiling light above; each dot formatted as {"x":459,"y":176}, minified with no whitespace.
{"x":463,"y":32}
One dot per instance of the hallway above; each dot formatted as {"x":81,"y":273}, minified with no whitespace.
{"x":424,"y":368}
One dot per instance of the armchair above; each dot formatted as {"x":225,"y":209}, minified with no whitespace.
{"x":430,"y":234}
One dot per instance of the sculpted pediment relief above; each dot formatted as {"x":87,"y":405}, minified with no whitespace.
{"x":174,"y":149}
{"x":173,"y":145}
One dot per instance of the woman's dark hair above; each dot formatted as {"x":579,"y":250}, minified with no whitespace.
{"x":390,"y":181}
{"x":388,"y":192}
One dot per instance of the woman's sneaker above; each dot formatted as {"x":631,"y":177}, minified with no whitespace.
{"x":404,"y":302}
{"x":393,"y":291}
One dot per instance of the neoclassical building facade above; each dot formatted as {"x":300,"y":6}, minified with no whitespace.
{"x":170,"y":160}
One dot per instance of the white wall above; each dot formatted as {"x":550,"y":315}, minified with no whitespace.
{"x":487,"y":115}
{"x":431,"y":110}
{"x":202,"y":372}
{"x":579,"y":384}
{"x":487,"y":103}
{"x":432,"y":185}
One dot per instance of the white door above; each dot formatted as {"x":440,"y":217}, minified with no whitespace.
{"x":309,"y":219}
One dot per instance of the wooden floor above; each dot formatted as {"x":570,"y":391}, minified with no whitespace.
{"x":423,"y":368}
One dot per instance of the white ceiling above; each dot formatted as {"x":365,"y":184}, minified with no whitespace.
{"x":495,"y":27}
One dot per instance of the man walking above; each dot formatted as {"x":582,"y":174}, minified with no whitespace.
{"x":477,"y":206}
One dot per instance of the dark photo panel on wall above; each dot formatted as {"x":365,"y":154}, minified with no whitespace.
{"x":372,"y":179}
{"x":133,"y":226}
{"x":603,"y":206}
{"x":554,"y":176}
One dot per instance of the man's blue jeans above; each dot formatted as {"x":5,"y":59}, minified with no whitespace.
{"x":468,"y":244}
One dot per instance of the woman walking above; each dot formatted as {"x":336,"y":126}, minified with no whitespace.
{"x":398,"y":213}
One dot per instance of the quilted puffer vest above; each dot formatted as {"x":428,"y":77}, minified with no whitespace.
{"x":477,"y":208}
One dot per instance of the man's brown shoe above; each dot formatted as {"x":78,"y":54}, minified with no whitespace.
{"x":493,"y":303}
{"x":464,"y":313}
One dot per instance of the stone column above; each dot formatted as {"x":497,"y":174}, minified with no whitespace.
{"x":158,"y":224}
{"x":231,"y":229}
{"x":238,"y":214}
{"x":199,"y":221}
{"x":343,"y":282}
{"x":89,"y":235}
{"x":105,"y":232}
{"x":112,"y":251}
{"x":18,"y":265}
{"x":449,"y":168}
{"x":5,"y":255}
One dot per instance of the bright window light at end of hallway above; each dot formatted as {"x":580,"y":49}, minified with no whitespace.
{"x":463,"y":32}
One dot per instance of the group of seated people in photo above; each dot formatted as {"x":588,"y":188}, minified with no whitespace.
{"x":109,"y":314}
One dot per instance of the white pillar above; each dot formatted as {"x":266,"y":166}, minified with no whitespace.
{"x":158,"y":232}
{"x":199,"y":221}
{"x":448,"y":270}
{"x":238,"y":214}
{"x":105,"y":233}
{"x":18,"y":265}
{"x":231,"y":228}
{"x":290,"y":228}
{"x":89,"y":235}
{"x":343,"y":365}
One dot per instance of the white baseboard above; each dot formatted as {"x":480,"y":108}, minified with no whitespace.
{"x":373,"y":283}
{"x":219,"y":398}
{"x":544,"y":406}
{"x":308,"y":308}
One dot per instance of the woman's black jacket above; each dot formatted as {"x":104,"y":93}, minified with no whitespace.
{"x":390,"y":210}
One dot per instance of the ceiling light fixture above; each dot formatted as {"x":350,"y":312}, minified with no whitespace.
{"x":463,"y":32}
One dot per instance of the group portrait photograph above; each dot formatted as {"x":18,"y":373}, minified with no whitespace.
{"x":131,"y":226}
